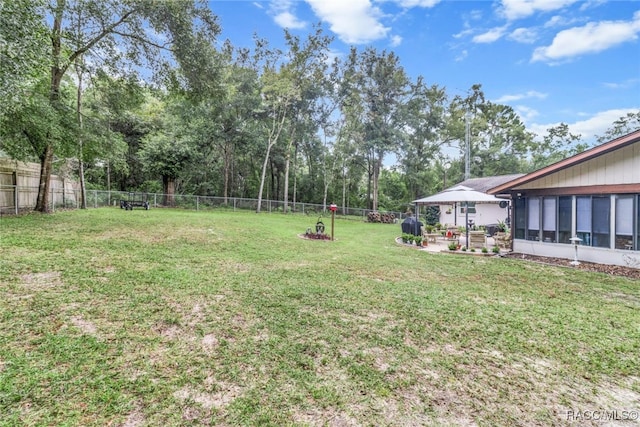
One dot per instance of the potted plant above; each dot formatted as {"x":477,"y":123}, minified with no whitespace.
{"x":406,"y":237}
{"x":418,"y":240}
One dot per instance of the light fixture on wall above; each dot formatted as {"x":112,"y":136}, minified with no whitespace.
{"x":575,"y":240}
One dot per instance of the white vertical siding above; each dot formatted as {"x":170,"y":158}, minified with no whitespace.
{"x":618,"y":167}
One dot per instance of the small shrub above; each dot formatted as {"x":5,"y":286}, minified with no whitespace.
{"x":496,"y":250}
{"x":464,"y":249}
{"x":453,"y":246}
{"x":473,"y":249}
{"x":485,"y":250}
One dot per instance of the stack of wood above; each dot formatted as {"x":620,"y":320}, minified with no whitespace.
{"x":385,"y":218}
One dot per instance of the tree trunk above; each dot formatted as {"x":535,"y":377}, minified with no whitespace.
{"x":276,"y":128}
{"x":377,"y":163}
{"x":287,"y":162}
{"x":46,"y":162}
{"x":344,"y":188}
{"x":227,"y":171}
{"x":83,"y":190}
{"x":169,"y":185}
{"x":264,"y":174}
{"x":295,"y":177}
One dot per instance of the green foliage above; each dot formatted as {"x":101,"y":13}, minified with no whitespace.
{"x":432,"y":214}
{"x":33,"y":123}
{"x":286,"y":123}
{"x":23,"y":51}
{"x":556,"y":145}
{"x":624,"y":125}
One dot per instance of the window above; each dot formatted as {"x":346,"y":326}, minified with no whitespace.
{"x":472,"y":207}
{"x":533,"y":219}
{"x":549,"y":219}
{"x":601,"y":217}
{"x":624,"y":222}
{"x":564,"y":219}
{"x":520,"y":219}
{"x":583,"y":219}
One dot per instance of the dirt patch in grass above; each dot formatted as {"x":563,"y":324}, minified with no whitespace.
{"x":324,"y":417}
{"x":44,"y":280}
{"x":84,"y":325}
{"x":135,"y":419}
{"x":614,"y":270}
{"x":223,"y":395}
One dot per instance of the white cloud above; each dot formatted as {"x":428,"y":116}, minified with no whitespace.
{"x":524,"y":35}
{"x":283,"y":15}
{"x":490,"y":36}
{"x":562,"y":21}
{"x":516,"y":9}
{"x":396,"y":40}
{"x":289,"y":20}
{"x":622,"y":85}
{"x":592,"y":4}
{"x":597,"y":124}
{"x":516,"y":97}
{"x":417,"y":3}
{"x":258,"y":5}
{"x":462,"y":55}
{"x":526,"y":113}
{"x":354,"y":21}
{"x":591,"y":38}
{"x":463,"y":33}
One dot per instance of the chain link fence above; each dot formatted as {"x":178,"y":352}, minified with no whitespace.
{"x":21,"y":199}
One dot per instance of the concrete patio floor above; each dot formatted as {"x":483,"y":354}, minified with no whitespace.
{"x":442,"y":245}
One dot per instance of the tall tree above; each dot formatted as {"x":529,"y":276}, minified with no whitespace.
{"x":23,"y":52}
{"x":279,"y":93}
{"x":382,"y":85}
{"x":424,"y":118}
{"x":113,"y":26}
{"x":556,"y":145}
{"x":168,"y":150}
{"x":306,"y":67}
{"x":624,"y":125}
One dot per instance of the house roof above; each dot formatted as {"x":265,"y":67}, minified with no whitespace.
{"x":488,"y":182}
{"x":594,"y":152}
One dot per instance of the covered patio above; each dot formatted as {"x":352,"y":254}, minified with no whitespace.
{"x":459,"y":195}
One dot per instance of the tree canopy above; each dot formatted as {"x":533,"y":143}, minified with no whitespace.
{"x":166,"y":106}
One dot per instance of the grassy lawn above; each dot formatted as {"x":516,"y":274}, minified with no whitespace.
{"x":164,"y":317}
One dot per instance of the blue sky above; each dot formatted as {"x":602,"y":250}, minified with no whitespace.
{"x":553,"y":61}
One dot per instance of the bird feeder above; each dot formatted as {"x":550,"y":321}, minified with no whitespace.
{"x":575,"y":240}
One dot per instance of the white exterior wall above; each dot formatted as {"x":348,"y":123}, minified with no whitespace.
{"x":486,"y":213}
{"x":618,"y":167}
{"x":621,"y":166}
{"x":585,"y":253}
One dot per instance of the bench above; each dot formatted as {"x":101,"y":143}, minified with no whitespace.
{"x":134,"y":200}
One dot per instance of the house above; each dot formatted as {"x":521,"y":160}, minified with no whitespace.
{"x":479,"y":213}
{"x":594,"y":196}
